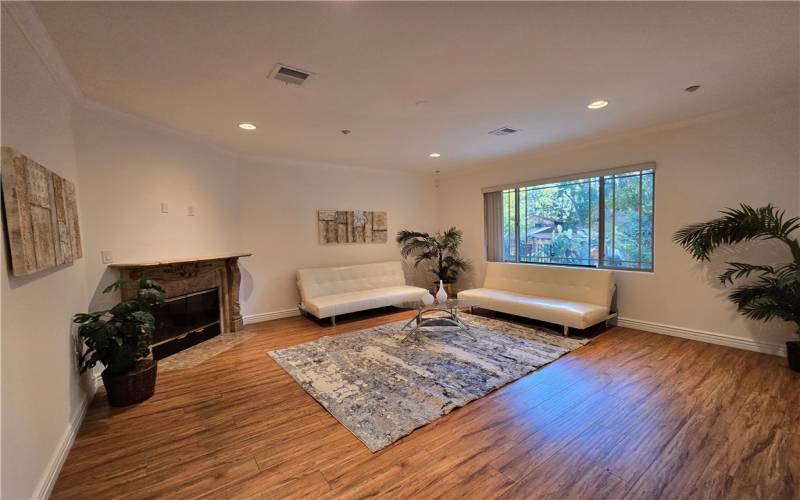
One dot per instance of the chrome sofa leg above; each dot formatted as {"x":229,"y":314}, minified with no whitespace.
{"x":333,"y":320}
{"x":566,"y":331}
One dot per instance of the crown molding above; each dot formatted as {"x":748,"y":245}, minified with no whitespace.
{"x":761,"y":106}
{"x":25,"y":16}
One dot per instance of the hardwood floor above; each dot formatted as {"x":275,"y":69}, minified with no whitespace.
{"x":631,"y":415}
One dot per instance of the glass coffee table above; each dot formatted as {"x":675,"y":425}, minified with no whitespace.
{"x":436,"y":314}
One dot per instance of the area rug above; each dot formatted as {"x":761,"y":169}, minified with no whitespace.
{"x":382,"y":389}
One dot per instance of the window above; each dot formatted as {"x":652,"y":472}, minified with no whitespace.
{"x":598,"y":221}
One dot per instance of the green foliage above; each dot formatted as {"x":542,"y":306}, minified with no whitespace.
{"x":572,"y":209}
{"x":117,"y":337}
{"x":440,"y":250}
{"x":775,"y":290}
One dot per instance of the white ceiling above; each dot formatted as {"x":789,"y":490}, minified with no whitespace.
{"x":202,"y":68}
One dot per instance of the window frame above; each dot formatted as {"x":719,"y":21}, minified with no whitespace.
{"x":639,"y":169}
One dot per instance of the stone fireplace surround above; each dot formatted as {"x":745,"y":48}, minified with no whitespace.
{"x":192,"y":274}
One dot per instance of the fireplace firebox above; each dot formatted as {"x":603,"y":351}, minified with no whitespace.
{"x":184,"y":321}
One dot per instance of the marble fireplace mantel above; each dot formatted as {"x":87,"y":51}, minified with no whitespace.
{"x":192,"y":274}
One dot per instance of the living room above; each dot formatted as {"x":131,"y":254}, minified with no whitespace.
{"x":585,"y":171}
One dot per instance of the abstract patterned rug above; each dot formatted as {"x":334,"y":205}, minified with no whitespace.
{"x":382,"y":389}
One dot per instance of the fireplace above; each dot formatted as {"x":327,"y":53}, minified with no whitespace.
{"x":202,"y":298}
{"x":184,"y":321}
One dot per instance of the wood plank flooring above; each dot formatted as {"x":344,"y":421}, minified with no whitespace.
{"x":631,"y":415}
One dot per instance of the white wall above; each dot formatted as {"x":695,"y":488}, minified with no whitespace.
{"x":41,"y":393}
{"x":703,"y":166}
{"x":278,"y":223}
{"x":127,"y":168}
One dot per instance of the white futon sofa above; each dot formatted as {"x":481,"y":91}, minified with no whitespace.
{"x":327,"y":292}
{"x":568,"y":296}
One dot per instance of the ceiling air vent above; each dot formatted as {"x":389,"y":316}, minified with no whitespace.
{"x":504,"y":131}
{"x":289,"y":75}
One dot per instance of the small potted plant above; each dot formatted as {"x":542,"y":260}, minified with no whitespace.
{"x":120,"y":338}
{"x":775,"y":291}
{"x":440,"y":250}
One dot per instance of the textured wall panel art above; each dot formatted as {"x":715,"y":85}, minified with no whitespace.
{"x":351,"y":226}
{"x":41,"y":215}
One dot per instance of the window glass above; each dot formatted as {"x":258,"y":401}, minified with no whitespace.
{"x":560,"y":223}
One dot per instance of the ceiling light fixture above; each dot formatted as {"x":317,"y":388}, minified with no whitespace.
{"x":434,"y":155}
{"x":597,"y":104}
{"x":247,"y":126}
{"x":692,"y":88}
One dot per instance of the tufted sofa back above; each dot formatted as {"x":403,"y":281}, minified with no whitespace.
{"x":316,"y":282}
{"x":592,"y":286}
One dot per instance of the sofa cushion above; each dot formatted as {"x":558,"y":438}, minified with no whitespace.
{"x":342,"y":303}
{"x":552,"y":310}
{"x":591,"y":286}
{"x":323,"y":281}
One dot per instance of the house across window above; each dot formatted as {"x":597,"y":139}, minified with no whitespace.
{"x":599,"y":221}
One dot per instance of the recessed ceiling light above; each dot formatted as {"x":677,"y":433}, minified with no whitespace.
{"x":692,"y":88}
{"x":247,"y":126}
{"x":434,"y":155}
{"x":597,"y":104}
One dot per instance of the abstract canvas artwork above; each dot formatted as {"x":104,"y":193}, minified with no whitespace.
{"x":351,"y":226}
{"x":41,"y":215}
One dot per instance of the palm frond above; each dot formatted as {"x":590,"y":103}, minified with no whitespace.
{"x":768,"y":298}
{"x":735,"y":226}
{"x":429,"y":254}
{"x":742,"y":270}
{"x":451,"y":239}
{"x":440,"y":249}
{"x":414,"y":246}
{"x":404,"y":235}
{"x":775,"y":292}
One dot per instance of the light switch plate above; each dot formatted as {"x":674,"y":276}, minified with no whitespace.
{"x":190,"y":211}
{"x":107,"y":256}
{"x":164,"y":208}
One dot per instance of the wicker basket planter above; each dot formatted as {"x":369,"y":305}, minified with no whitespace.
{"x":132,"y":387}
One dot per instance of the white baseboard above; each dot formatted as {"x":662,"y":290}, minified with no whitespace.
{"x":269,"y":316}
{"x":703,"y":336}
{"x":48,"y":480}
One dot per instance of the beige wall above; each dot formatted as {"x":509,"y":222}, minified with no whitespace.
{"x":127,"y":168}
{"x":41,"y":393}
{"x":703,"y":166}
{"x":278,"y":223}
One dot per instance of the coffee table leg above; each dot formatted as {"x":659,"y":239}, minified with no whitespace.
{"x":415,"y":318}
{"x":458,"y":320}
{"x":410,"y":334}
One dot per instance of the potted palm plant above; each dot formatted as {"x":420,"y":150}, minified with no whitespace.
{"x":120,"y":338}
{"x":775,"y":290}
{"x":439,"y":250}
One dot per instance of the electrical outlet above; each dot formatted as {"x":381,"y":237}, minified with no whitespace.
{"x":164,"y":208}
{"x":190,"y":211}
{"x":107,"y":256}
